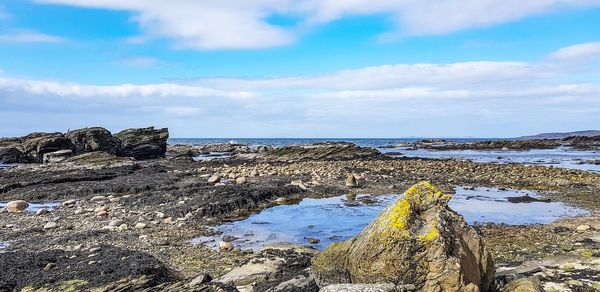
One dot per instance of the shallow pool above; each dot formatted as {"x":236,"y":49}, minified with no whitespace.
{"x":335,"y":219}
{"x":34,"y":207}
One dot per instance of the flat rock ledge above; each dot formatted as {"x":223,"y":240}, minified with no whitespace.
{"x":417,"y":241}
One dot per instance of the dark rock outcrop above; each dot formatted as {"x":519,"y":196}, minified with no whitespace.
{"x":327,"y":150}
{"x":417,"y":241}
{"x":35,"y":145}
{"x":93,"y":139}
{"x":143,"y":143}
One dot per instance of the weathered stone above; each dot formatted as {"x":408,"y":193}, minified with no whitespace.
{"x":299,"y":184}
{"x":16,"y":206}
{"x":57,"y":156}
{"x":215,"y":178}
{"x":50,"y":225}
{"x":93,"y":139}
{"x":584,"y":227}
{"x":300,"y":283}
{"x":35,"y":145}
{"x":418,"y":240}
{"x":11,"y":154}
{"x":351,"y":181}
{"x":531,"y":284}
{"x":240,"y":180}
{"x":201,"y":279}
{"x":328,"y":150}
{"x":226,"y":246}
{"x":143,"y":143}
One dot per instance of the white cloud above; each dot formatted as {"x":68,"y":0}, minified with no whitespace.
{"x":469,"y":98}
{"x":236,"y":24}
{"x":140,"y":62}
{"x":25,"y":36}
{"x":577,"y":53}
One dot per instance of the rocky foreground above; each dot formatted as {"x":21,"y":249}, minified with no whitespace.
{"x":127,"y":215}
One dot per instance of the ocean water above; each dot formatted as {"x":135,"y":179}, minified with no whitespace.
{"x":336,"y":219}
{"x":365,"y":142}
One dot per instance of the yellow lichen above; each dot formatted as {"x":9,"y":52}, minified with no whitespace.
{"x":432,"y":234}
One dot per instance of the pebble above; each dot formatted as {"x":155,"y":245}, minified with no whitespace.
{"x":584,"y":227}
{"x":160,"y":215}
{"x":140,"y":225}
{"x":102,"y":213}
{"x":49,"y":266}
{"x":299,"y":184}
{"x":116,"y":222}
{"x":123,"y":227}
{"x":225,"y":246}
{"x":241,"y":180}
{"x":214,"y":179}
{"x":42,"y":212}
{"x":351,"y":181}
{"x":98,"y":199}
{"x":16,"y":206}
{"x":100,"y":209}
{"x":69,"y":203}
{"x":50,"y":225}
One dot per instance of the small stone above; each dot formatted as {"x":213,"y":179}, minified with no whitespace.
{"x":168,"y":220}
{"x":140,"y":225}
{"x":299,"y":184}
{"x":574,"y":283}
{"x":160,"y":215}
{"x":568,"y":267}
{"x":214,"y":179}
{"x":98,"y":199}
{"x":94,"y":249}
{"x":584,"y":227}
{"x":49,"y":266}
{"x":116,"y":222}
{"x":42,"y":211}
{"x":202,"y":279}
{"x":351,"y":181}
{"x":50,"y":225}
{"x":102,"y":213}
{"x":240,"y":180}
{"x":313,"y":240}
{"x":123,"y":227}
{"x":100,"y":209}
{"x":225,"y":246}
{"x":69,"y":203}
{"x":16,"y":206}
{"x":254,"y":172}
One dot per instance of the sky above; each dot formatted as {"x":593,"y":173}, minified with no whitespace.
{"x":301,"y":68}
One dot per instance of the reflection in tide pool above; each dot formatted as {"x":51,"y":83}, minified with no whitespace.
{"x":212,"y":155}
{"x":336,"y":219}
{"x":559,"y":157}
{"x":34,"y":207}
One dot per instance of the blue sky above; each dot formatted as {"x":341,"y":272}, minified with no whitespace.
{"x":301,"y":68}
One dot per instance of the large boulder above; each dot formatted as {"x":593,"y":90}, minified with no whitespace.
{"x":35,"y":145}
{"x":93,"y":139}
{"x":11,"y":150}
{"x":143,"y":143}
{"x":416,"y":241}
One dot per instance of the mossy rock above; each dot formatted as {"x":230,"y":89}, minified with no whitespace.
{"x":417,"y":240}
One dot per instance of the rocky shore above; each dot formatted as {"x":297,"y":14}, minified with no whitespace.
{"x":129,"y":206}
{"x":575,"y":142}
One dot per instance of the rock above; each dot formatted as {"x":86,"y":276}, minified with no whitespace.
{"x":360,"y":288}
{"x":326,"y":150}
{"x":35,"y":145}
{"x":351,"y":181}
{"x":240,"y":180}
{"x":11,"y":154}
{"x":57,"y":156}
{"x":50,"y":225}
{"x":215,"y":178}
{"x":93,"y":139}
{"x":225,"y":246}
{"x":531,"y":284}
{"x":313,"y":240}
{"x":140,"y":225}
{"x":49,"y":266}
{"x":69,"y":203}
{"x":201,"y":279}
{"x":254,"y":172}
{"x":143,"y":143}
{"x":418,"y":240}
{"x":584,"y":227}
{"x":299,"y":283}
{"x":123,"y":227}
{"x":116,"y":222}
{"x":42,"y":212}
{"x":16,"y":206}
{"x":98,"y":199}
{"x":299,"y":184}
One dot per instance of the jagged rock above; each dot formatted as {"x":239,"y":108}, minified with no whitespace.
{"x":35,"y":145}
{"x":93,"y":139}
{"x":143,"y":143}
{"x":335,"y":151}
{"x":16,"y":206}
{"x":57,"y":156}
{"x":300,"y":283}
{"x":418,"y":240}
{"x":531,"y":284}
{"x":11,"y":150}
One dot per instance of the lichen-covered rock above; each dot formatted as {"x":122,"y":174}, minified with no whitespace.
{"x":418,"y":240}
{"x":143,"y":143}
{"x":531,"y":284}
{"x":93,"y":139}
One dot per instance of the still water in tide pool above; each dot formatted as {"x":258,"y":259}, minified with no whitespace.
{"x":336,"y":219}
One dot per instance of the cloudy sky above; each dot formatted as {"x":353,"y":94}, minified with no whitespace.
{"x":301,"y":68}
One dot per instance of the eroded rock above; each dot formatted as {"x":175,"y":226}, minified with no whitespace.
{"x":143,"y":143}
{"x":418,"y":241}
